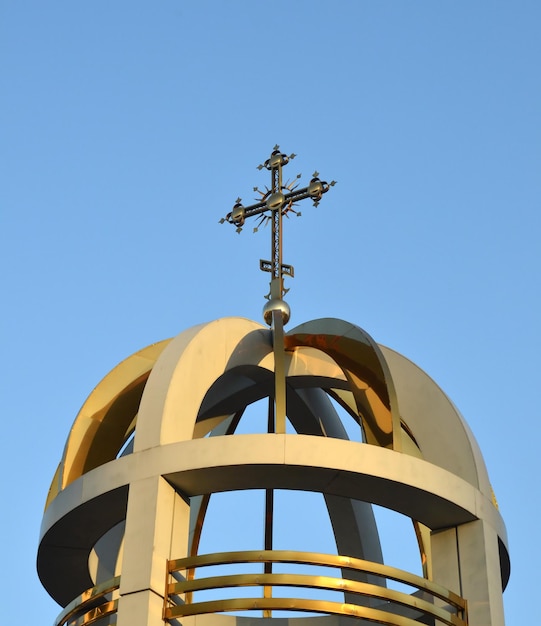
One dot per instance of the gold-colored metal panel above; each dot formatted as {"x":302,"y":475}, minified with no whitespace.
{"x":86,"y":600}
{"x":295,"y":604}
{"x":99,"y":426}
{"x":422,"y":533}
{"x":317,"y":559}
{"x":105,"y":418}
{"x":94,"y":615}
{"x":421,"y":490}
{"x":363,"y":363}
{"x":55,"y":486}
{"x":452,"y":613}
{"x":279,"y":373}
{"x":188,"y":368}
{"x":306,"y":361}
{"x":327,"y":583}
{"x":441,"y":433}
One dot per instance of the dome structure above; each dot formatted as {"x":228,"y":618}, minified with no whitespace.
{"x":159,"y":437}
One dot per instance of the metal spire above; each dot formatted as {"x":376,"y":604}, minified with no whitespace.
{"x":276,"y":201}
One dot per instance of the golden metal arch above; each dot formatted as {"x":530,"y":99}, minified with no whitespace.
{"x":364,"y":366}
{"x":106,"y":418}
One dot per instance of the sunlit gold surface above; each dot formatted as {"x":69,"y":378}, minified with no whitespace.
{"x":104,"y":421}
{"x":298,"y":604}
{"x":315,"y":558}
{"x":83,"y":610}
{"x":363,"y":364}
{"x":401,"y":482}
{"x":279,"y":372}
{"x":453,"y":617}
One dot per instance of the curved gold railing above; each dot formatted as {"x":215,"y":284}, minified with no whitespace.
{"x":92,"y":605}
{"x":430,"y":599}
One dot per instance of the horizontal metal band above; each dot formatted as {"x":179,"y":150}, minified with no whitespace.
{"x":76,"y":606}
{"x":319,"y":559}
{"x":315,"y":582}
{"x":292,"y":604}
{"x":88,"y":507}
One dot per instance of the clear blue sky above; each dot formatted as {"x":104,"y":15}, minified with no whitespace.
{"x":129,"y":128}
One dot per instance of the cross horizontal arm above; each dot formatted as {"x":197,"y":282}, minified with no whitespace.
{"x":278,"y":201}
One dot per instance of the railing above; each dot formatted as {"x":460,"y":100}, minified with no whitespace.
{"x":387,"y":606}
{"x":92,"y":605}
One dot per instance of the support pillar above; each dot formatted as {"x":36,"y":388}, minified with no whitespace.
{"x":157,"y":523}
{"x":466,"y":560}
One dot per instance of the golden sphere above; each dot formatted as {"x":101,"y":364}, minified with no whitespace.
{"x":276,"y":159}
{"x":276,"y":305}
{"x":237,"y":215}
{"x":275,"y":201}
{"x":315,"y":188}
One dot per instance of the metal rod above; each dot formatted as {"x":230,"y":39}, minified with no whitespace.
{"x":279,"y":371}
{"x":269,"y":516}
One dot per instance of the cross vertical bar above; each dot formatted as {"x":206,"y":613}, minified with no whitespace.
{"x":277,"y":281}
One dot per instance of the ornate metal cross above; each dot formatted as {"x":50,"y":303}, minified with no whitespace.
{"x":277,"y":201}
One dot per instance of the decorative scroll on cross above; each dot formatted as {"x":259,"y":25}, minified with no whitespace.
{"x":277,"y":201}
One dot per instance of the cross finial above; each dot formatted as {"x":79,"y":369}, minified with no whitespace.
{"x":276,"y":201}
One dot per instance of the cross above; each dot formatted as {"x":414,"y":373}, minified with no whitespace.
{"x":275,"y":202}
